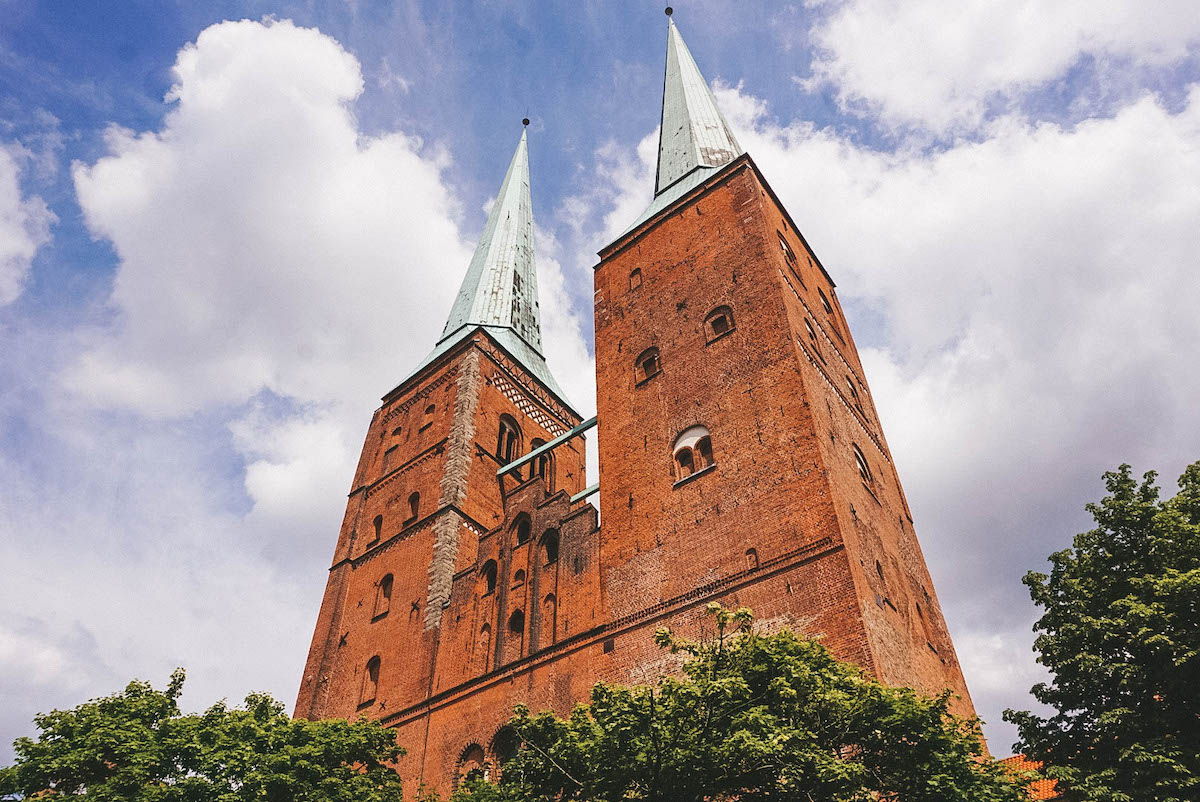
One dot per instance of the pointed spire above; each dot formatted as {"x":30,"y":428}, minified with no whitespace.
{"x":500,"y":288}
{"x":693,"y":132}
{"x":499,"y":292}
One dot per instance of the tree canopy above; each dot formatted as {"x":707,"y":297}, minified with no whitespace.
{"x":753,"y":717}
{"x":1120,"y":634}
{"x":136,"y":746}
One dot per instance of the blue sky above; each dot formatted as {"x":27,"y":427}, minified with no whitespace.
{"x":221,"y":241}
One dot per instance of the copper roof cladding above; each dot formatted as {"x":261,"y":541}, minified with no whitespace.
{"x":499,"y":292}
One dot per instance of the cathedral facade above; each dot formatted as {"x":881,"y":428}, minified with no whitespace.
{"x":741,"y":457}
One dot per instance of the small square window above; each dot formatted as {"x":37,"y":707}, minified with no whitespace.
{"x":635,"y":279}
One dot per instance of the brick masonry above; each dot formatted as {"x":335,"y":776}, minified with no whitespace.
{"x":503,"y":591}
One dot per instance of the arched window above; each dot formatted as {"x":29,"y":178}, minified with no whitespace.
{"x":812,"y":336}
{"x":505,"y":745}
{"x":788,"y":254}
{"x":864,"y":470}
{"x":389,"y":458}
{"x":472,"y":765}
{"x":414,"y":507}
{"x":543,"y":466}
{"x":647,"y":365}
{"x":524,"y":529}
{"x":483,"y":649}
{"x":508,"y":445}
{"x":516,"y":622}
{"x":489,"y":576}
{"x":396,"y":432}
{"x":833,"y":321}
{"x":370,"y":685}
{"x":854,"y":395}
{"x":383,"y":597}
{"x":751,"y":559}
{"x":550,"y":546}
{"x":378,"y":524}
{"x":718,"y":323}
{"x":429,"y":410}
{"x":635,"y":278}
{"x":518,"y":578}
{"x":549,"y":607}
{"x":692,"y":452}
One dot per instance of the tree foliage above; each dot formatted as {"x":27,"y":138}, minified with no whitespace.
{"x":754,"y":717}
{"x":136,"y":746}
{"x":1120,"y":634}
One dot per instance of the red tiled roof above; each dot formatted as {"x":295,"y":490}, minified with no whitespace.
{"x":1039,"y":789}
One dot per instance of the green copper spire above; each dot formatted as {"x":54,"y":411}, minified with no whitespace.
{"x":694,"y":140}
{"x":499,"y":293}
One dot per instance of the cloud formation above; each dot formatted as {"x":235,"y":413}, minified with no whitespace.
{"x":944,"y":66}
{"x":24,"y":225}
{"x":278,"y":271}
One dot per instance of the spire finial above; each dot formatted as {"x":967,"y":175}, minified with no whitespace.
{"x":525,"y":122}
{"x":670,"y":11}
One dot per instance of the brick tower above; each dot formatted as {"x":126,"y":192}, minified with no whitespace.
{"x":741,"y":461}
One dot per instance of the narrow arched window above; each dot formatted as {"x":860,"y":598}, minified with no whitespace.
{"x":508,"y":445}
{"x":549,"y":608}
{"x":389,"y":458}
{"x":812,"y":336}
{"x":543,"y":466}
{"x":383,"y":597}
{"x":524,"y":528}
{"x":505,"y":744}
{"x":788,"y":254}
{"x":692,"y":452}
{"x":414,"y":507}
{"x":370,"y":684}
{"x":518,"y":578}
{"x":825,"y":303}
{"x":483,"y":649}
{"x":864,"y":470}
{"x":472,"y":765}
{"x":489,"y":576}
{"x":647,"y":365}
{"x":718,"y":323}
{"x":378,"y":524}
{"x":516,"y":622}
{"x":751,"y":559}
{"x":550,"y":546}
{"x":854,"y":395}
{"x":635,"y":278}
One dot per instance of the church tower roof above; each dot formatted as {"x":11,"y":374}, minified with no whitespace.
{"x":694,"y":139}
{"x":499,"y":292}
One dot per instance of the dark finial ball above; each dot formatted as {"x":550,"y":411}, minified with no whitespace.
{"x":670,"y":11}
{"x":525,"y":121}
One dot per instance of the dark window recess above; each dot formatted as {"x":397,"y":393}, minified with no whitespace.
{"x":489,"y":576}
{"x":609,"y":645}
{"x":550,"y":547}
{"x":647,"y":366}
{"x":635,"y":278}
{"x":516,"y":622}
{"x":718,"y":323}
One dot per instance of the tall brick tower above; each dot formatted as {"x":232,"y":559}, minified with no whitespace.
{"x":427,"y":488}
{"x":741,"y":457}
{"x":737,"y":431}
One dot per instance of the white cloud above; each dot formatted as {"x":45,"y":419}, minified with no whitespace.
{"x":939,"y":65}
{"x":24,"y":226}
{"x":278,"y":272}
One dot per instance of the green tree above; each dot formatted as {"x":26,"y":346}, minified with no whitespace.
{"x":1120,"y":634}
{"x":754,"y":717}
{"x":135,"y":746}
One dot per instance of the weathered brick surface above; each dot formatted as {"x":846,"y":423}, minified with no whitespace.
{"x":784,"y":522}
